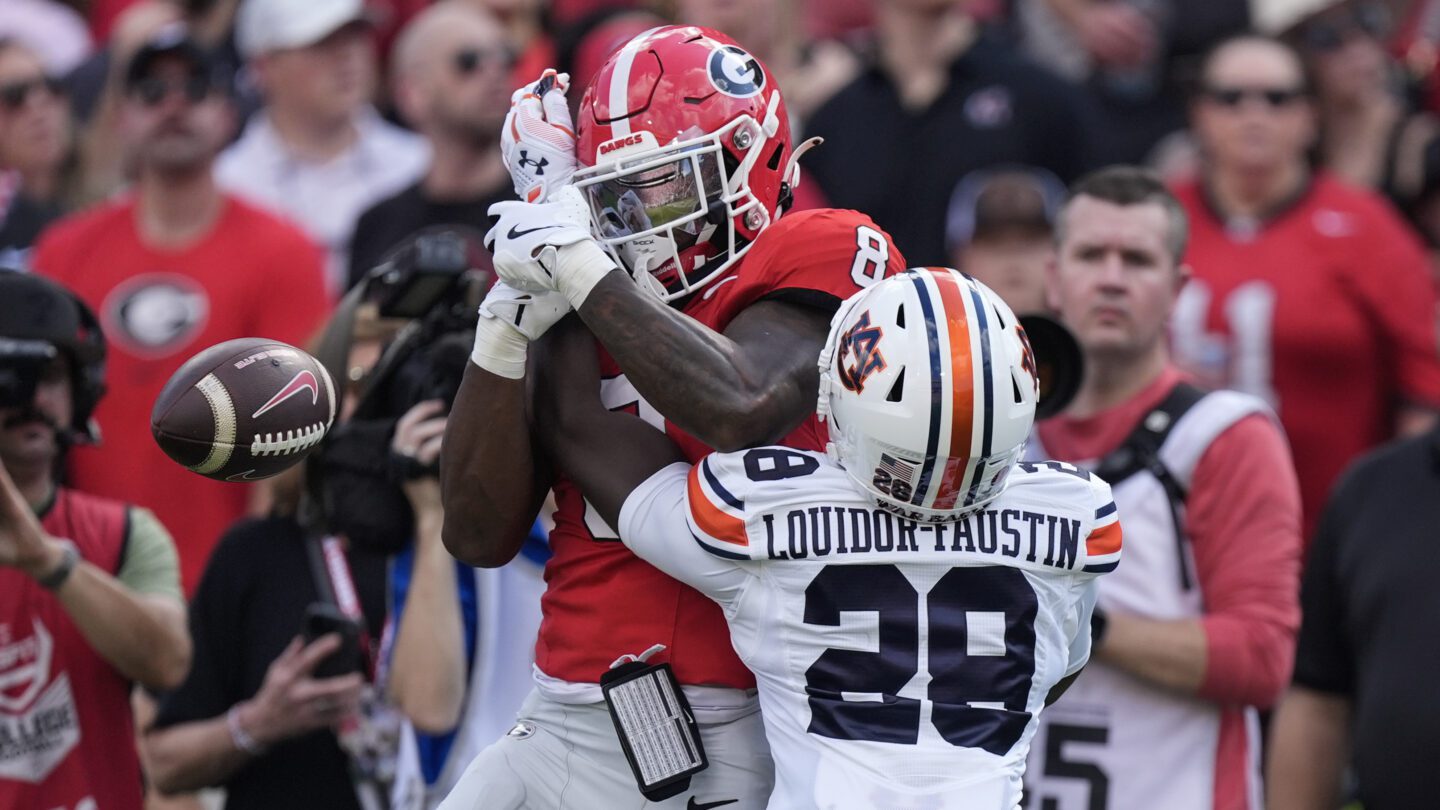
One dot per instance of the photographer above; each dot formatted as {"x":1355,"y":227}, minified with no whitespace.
{"x":278,"y":707}
{"x":89,"y":587}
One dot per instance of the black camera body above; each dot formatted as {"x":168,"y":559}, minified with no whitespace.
{"x":21,"y":364}
{"x":435,"y":279}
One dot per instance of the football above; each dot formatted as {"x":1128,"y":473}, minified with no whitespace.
{"x":244,"y":410}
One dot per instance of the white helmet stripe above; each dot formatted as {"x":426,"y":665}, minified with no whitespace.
{"x":620,"y":83}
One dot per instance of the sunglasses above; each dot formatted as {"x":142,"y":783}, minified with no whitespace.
{"x":1274,"y":97}
{"x":153,"y":91}
{"x":1366,"y":19}
{"x":469,"y":60}
{"x":13,"y":96}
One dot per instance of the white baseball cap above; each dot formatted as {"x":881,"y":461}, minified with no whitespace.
{"x":1276,"y":17}
{"x":262,"y":26}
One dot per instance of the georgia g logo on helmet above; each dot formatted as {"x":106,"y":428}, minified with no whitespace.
{"x":859,"y":354}
{"x":735,"y":72}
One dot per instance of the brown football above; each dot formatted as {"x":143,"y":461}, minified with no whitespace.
{"x":244,"y":409}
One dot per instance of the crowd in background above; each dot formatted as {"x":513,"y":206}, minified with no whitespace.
{"x":200,"y":170}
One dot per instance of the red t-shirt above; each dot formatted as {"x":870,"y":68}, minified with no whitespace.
{"x":602,"y":601}
{"x":1240,"y":517}
{"x":251,"y":276}
{"x":1326,"y":311}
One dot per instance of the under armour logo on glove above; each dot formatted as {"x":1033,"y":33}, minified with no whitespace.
{"x":538,"y":164}
{"x":538,"y":135}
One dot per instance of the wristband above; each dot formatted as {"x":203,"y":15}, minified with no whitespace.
{"x":239,"y":736}
{"x":70,"y":557}
{"x":579,"y":267}
{"x":499,"y":348}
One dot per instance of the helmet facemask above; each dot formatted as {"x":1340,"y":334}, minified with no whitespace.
{"x":673,"y":216}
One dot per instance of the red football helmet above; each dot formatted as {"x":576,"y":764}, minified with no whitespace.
{"x":685,"y":156}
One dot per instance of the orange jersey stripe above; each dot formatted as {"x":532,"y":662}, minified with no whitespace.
{"x":1104,"y":540}
{"x":962,"y":387}
{"x":709,"y":517}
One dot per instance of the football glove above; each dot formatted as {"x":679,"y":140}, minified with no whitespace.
{"x":538,"y":138}
{"x":509,"y":321}
{"x":548,"y":246}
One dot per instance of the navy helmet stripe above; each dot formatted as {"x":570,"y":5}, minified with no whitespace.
{"x":936,"y":404}
{"x":988,"y":406}
{"x":719,"y":490}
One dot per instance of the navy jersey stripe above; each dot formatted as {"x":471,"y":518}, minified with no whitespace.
{"x":1107,"y":509}
{"x":718,"y":552}
{"x":719,"y":490}
{"x":1101,"y":568}
{"x":932,"y":444}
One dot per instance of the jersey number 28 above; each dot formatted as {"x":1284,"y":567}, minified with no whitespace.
{"x":980,"y":646}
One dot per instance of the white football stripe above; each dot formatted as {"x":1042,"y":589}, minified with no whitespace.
{"x":222,"y":409}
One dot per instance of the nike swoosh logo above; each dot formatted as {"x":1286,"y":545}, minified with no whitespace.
{"x":516,"y":234}
{"x":694,"y":805}
{"x":299,"y":383}
{"x":709,"y":291}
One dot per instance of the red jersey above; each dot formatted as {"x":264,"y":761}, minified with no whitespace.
{"x":1326,"y":311}
{"x":251,"y":276}
{"x":602,"y":601}
{"x":67,"y":738}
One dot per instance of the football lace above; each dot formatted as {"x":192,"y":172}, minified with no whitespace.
{"x":291,"y":441}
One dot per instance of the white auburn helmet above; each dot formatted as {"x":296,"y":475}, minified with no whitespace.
{"x":929,"y":387}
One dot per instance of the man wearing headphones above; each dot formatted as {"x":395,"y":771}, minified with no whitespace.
{"x":90,"y":598}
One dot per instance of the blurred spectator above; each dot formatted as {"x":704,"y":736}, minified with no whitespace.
{"x":1367,"y":663}
{"x":1299,"y":279}
{"x":1133,"y":59}
{"x":171,"y":268}
{"x":524,"y":23}
{"x":809,"y":72}
{"x":34,"y":145}
{"x":938,"y":102}
{"x":1196,"y":629}
{"x":317,"y":152}
{"x":452,"y":83}
{"x":90,"y":600}
{"x":253,"y":715}
{"x":1001,"y":229}
{"x":1368,"y":135}
{"x":53,"y":31}
{"x":464,"y":650}
{"x":210,"y":23}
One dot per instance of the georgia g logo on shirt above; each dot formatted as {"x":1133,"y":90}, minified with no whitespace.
{"x":155,"y":315}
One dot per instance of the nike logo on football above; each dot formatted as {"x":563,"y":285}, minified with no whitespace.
{"x":717,"y":285}
{"x":299,"y":383}
{"x":516,"y":234}
{"x":694,"y":805}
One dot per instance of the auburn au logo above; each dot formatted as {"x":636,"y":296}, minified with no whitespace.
{"x":1027,"y":361}
{"x":859,"y":354}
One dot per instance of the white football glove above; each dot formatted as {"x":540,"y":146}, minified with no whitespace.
{"x":509,"y":321}
{"x":548,"y":246}
{"x":538,"y":138}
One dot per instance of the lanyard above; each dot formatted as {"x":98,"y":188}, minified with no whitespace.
{"x":341,"y":590}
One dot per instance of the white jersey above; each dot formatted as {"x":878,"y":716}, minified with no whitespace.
{"x":900,"y":664}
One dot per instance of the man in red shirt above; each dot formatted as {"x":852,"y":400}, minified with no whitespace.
{"x":171,"y":268}
{"x":1308,"y":293}
{"x":1197,"y":628}
{"x":687,"y":164}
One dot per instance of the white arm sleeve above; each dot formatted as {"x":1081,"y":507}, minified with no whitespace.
{"x":653,"y":525}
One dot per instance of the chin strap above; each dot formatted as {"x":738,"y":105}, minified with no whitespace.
{"x":792,"y":166}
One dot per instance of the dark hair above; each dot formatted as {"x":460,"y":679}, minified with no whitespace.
{"x":1131,"y":185}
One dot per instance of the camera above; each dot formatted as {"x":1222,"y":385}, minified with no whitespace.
{"x":435,"y":280}
{"x":21,"y":364}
